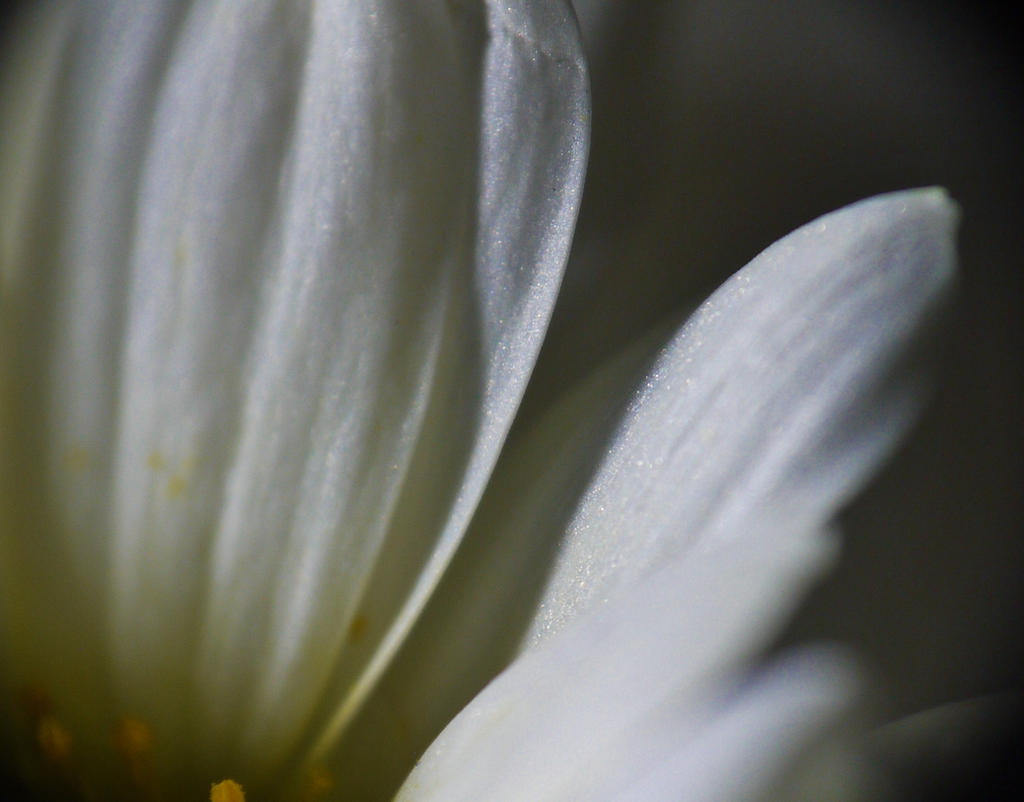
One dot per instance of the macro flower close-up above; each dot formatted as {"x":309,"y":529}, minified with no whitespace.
{"x":301,"y":496}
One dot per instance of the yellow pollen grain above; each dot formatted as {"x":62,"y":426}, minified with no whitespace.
{"x":155,"y":461}
{"x":176,"y":486}
{"x":226,"y":791}
{"x":53,"y":739}
{"x":133,"y":739}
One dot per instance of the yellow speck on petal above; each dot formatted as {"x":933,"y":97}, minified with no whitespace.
{"x":176,"y":486}
{"x":155,"y":461}
{"x":226,"y":791}
{"x":133,"y":740}
{"x":180,"y":254}
{"x":76,"y":458}
{"x":53,"y":740}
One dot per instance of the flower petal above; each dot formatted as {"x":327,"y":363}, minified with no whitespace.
{"x":642,"y":698}
{"x":472,"y":626}
{"x":66,"y":234}
{"x":773,"y":401}
{"x":777,"y":398}
{"x":315,"y":295}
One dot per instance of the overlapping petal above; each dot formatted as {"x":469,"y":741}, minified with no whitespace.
{"x":777,"y":398}
{"x":274,"y":279}
{"x":643,"y":699}
{"x":770,"y":405}
{"x":289,"y":269}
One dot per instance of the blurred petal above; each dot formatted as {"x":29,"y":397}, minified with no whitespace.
{"x":786,"y":732}
{"x":639,"y":698}
{"x":969,"y":749}
{"x":275,"y":334}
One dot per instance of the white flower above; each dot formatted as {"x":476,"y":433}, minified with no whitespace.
{"x":274,"y":279}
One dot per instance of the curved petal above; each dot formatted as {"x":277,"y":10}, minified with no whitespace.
{"x":535,"y":111}
{"x":642,"y":695}
{"x":773,"y":401}
{"x":277,"y":363}
{"x":472,"y":626}
{"x":66,"y":235}
{"x":777,"y":398}
{"x":958,"y":750}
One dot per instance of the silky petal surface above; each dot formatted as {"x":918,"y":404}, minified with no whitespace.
{"x":66,"y":236}
{"x":788,"y":732}
{"x":472,"y":627}
{"x":639,"y":692}
{"x":772,"y":402}
{"x":299,"y":258}
{"x":777,"y":398}
{"x":760,"y":417}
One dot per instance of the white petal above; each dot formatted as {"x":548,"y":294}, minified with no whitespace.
{"x":66,"y":236}
{"x":773,"y":401}
{"x":473,"y":625}
{"x":284,"y":352}
{"x":777,"y":398}
{"x":641,"y":692}
{"x":783,"y":733}
{"x":770,"y":405}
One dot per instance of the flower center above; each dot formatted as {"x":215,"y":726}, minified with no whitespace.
{"x":52,"y":769}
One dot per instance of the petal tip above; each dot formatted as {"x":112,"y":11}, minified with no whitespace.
{"x":912,"y":229}
{"x":939,"y":217}
{"x":935,"y":201}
